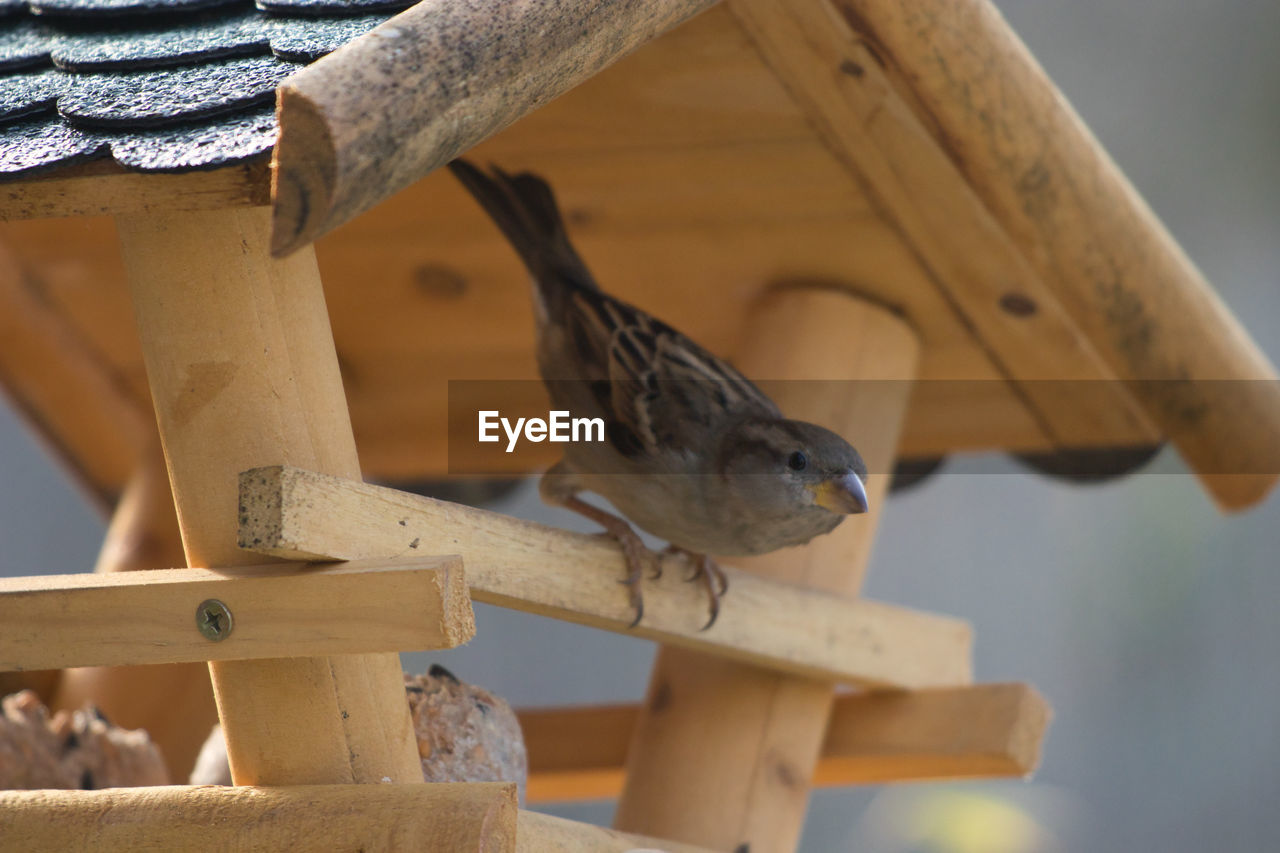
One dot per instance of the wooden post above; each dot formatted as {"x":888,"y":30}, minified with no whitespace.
{"x":723,"y":753}
{"x":172,"y":702}
{"x":243,"y":373}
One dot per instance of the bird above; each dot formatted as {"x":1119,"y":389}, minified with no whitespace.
{"x":693,"y":452}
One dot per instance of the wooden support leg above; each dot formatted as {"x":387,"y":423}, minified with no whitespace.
{"x":172,"y":702}
{"x":243,"y":373}
{"x":723,"y":753}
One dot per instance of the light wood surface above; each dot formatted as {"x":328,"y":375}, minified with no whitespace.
{"x":1088,"y":234}
{"x":951,"y":733}
{"x":445,"y":76}
{"x":280,"y":610}
{"x":723,"y":752}
{"x":173,"y":703}
{"x":478,"y":817}
{"x":542,"y":833}
{"x":103,"y":187}
{"x":243,"y":372}
{"x":296,"y":514}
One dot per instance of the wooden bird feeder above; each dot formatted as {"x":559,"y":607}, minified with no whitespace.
{"x":879,"y":195}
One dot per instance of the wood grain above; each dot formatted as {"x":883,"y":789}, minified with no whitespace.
{"x":723,"y":752}
{"x":479,"y":817}
{"x":986,"y":730}
{"x":243,"y":372}
{"x":542,"y":833}
{"x":1083,"y":228}
{"x":280,"y":610}
{"x":445,"y":76}
{"x":299,"y":514}
{"x":103,"y":187}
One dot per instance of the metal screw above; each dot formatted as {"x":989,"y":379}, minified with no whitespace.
{"x":213,"y":618}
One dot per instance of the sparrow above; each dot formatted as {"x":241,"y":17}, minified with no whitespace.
{"x":693,"y":452}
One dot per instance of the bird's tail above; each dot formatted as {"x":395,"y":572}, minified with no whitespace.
{"x":524,"y":207}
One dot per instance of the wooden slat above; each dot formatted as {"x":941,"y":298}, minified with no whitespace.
{"x":541,"y":833}
{"x":103,"y":187}
{"x":446,"y":76}
{"x":479,"y":817}
{"x":280,"y":610}
{"x":1082,"y":227}
{"x":986,"y":730}
{"x":288,"y":512}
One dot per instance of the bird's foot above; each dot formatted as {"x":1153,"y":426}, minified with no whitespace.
{"x":712,"y":576}
{"x":633,"y":549}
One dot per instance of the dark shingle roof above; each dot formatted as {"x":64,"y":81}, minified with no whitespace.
{"x":160,"y":85}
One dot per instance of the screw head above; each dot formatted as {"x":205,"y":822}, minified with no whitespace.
{"x":213,"y":619}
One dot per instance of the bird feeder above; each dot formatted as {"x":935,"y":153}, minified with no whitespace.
{"x":891,"y":199}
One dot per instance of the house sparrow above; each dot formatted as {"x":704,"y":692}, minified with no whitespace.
{"x":694,"y":452}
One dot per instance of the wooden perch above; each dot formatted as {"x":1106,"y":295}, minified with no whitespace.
{"x":475,"y":816}
{"x":278,"y":611}
{"x":443,"y":77}
{"x":296,"y":514}
{"x":987,"y":730}
{"x":1041,"y":177}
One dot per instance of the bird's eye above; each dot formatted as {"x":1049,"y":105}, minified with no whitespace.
{"x":797,"y":461}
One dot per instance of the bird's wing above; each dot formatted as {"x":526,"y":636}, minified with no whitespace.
{"x":664,"y":391}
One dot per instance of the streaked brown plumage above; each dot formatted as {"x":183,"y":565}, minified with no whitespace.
{"x":694,"y":452}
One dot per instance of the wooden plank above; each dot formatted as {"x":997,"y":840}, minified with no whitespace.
{"x":288,"y":512}
{"x":477,"y":816}
{"x":279,"y":610}
{"x":986,"y":730}
{"x":542,"y":833}
{"x":1082,"y":227}
{"x":447,"y":76}
{"x":103,"y":187}
{"x":243,"y":372}
{"x":723,"y":752}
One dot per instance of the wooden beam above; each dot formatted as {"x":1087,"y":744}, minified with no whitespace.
{"x":723,"y":752}
{"x":987,"y":730}
{"x":280,"y":610}
{"x":542,"y":833}
{"x":243,"y":372}
{"x":105,"y":187}
{"x":474,"y":816}
{"x":1040,"y":177}
{"x":446,"y":75}
{"x":288,"y":512}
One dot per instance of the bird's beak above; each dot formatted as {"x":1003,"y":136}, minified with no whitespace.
{"x":844,"y":493}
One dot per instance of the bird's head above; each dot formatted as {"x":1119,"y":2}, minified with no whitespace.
{"x":793,"y":467}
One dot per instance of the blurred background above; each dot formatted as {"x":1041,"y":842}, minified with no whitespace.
{"x":1146,"y":618}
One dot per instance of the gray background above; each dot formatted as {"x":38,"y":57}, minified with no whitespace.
{"x":1147,"y":618}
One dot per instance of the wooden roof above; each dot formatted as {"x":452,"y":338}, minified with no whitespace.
{"x":915,"y":156}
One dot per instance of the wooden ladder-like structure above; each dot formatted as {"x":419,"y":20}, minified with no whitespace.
{"x":924,"y":207}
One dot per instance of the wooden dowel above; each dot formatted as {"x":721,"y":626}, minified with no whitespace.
{"x":723,"y":752}
{"x":886,"y":736}
{"x":1077,"y":220}
{"x":173,"y":703}
{"x":445,"y":76}
{"x":243,"y":372}
{"x":299,"y":514}
{"x":280,"y":610}
{"x":478,"y":817}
